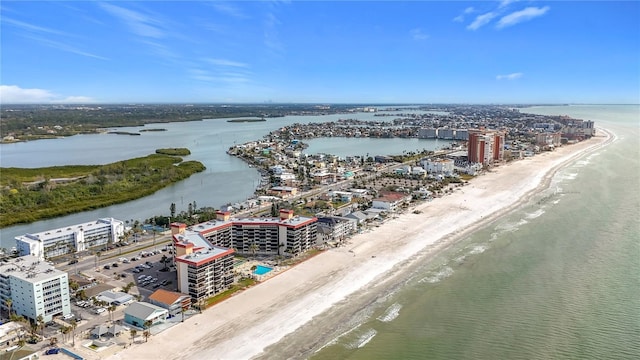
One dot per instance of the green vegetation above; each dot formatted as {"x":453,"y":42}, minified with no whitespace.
{"x":241,"y":285}
{"x":174,"y":151}
{"x":28,"y":195}
{"x":32,"y":122}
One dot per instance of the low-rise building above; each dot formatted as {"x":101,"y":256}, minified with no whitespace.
{"x":174,"y":302}
{"x":115,"y":297}
{"x":438,"y":166}
{"x":336,"y":228}
{"x":140,"y":313}
{"x":390,"y":201}
{"x":70,"y":239}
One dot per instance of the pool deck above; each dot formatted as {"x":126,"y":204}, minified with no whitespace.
{"x":244,"y":269}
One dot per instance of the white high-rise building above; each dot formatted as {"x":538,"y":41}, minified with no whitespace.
{"x":34,"y":287}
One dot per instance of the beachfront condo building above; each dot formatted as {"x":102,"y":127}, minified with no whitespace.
{"x":287,"y":235}
{"x":485,"y":147}
{"x":204,"y":252}
{"x":34,"y":287}
{"x":205,"y":272}
{"x":70,"y":239}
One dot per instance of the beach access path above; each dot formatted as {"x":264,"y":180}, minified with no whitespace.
{"x":242,"y":326}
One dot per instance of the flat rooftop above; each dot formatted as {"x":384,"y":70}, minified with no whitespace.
{"x":29,"y":268}
{"x":66,"y":230}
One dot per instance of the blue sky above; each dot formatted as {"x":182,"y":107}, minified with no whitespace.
{"x":320,"y":51}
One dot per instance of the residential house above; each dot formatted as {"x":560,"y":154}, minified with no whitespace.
{"x":174,"y":302}
{"x":139,"y":313}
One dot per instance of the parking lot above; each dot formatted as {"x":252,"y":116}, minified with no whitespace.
{"x":145,"y":270}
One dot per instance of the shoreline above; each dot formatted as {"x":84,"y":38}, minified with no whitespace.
{"x":245,"y":325}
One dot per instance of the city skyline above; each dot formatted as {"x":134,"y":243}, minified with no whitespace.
{"x":320,"y":52}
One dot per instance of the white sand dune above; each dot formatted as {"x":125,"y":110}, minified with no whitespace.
{"x":242,"y":326}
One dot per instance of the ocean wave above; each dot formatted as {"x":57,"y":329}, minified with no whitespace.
{"x":569,"y":176}
{"x":392,"y":312}
{"x":335,"y":339}
{"x":478,"y":249}
{"x":535,"y":214}
{"x":511,"y":227}
{"x":437,"y":277}
{"x":362,"y":340}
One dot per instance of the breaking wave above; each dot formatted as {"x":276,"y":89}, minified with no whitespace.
{"x":437,"y":277}
{"x":392,"y":312}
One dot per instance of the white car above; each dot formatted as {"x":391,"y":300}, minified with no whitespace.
{"x":100,"y":310}
{"x":67,"y":317}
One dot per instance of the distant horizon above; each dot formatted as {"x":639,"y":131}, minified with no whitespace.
{"x":469,"y":52}
{"x":312,"y":103}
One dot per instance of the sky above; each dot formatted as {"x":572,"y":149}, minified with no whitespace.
{"x":502,"y":52}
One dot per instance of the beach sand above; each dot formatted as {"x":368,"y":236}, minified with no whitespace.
{"x":242,"y":326}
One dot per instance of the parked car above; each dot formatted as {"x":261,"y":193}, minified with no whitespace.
{"x":107,"y":267}
{"x":52,"y":351}
{"x":149,"y":263}
{"x":100,"y":310}
{"x":74,"y":261}
{"x":115,"y":265}
{"x":67,"y":317}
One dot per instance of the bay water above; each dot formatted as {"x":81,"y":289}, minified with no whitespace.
{"x":557,"y":278}
{"x":227,"y":179}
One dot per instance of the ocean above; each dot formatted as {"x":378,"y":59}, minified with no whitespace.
{"x":557,"y":278}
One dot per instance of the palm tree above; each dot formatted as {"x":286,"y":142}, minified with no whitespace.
{"x":253,"y":248}
{"x":133,"y":333}
{"x":65,"y":330}
{"x":147,"y":324}
{"x":146,"y":335}
{"x":8,"y":302}
{"x":74,"y":325}
{"x":111,"y":310}
{"x":40,"y":320}
{"x":165,"y":260}
{"x":53,"y":341}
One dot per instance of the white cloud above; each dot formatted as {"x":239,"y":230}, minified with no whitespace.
{"x":65,"y":47}
{"x":31,"y":27}
{"x":520,"y":16}
{"x":481,"y":20}
{"x":12,"y":94}
{"x":512,"y":76}
{"x":417,"y":34}
{"x":225,"y":62}
{"x":505,"y":3}
{"x":460,"y":18}
{"x":139,"y":23}
{"x":229,"y":9}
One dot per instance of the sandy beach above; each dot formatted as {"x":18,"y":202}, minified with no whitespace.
{"x":242,"y":326}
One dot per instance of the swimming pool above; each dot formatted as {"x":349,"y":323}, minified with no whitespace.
{"x":261,"y":270}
